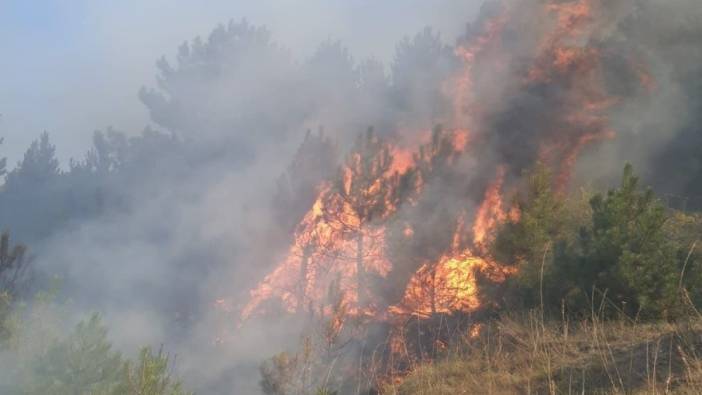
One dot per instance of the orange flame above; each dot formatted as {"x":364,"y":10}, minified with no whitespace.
{"x":321,"y":254}
{"x":490,"y":212}
{"x":332,"y":244}
{"x":449,"y":285}
{"x":325,"y":250}
{"x":462,"y":85}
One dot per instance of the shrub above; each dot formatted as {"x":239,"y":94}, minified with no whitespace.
{"x":621,"y":253}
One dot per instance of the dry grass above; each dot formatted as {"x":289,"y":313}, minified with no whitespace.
{"x":525,"y":356}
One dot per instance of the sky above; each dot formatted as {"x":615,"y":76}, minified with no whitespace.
{"x":70,"y":67}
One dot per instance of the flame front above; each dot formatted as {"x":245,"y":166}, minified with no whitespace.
{"x":341,"y":243}
{"x":449,"y":284}
{"x":338,"y":243}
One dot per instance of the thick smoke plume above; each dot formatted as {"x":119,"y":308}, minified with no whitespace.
{"x":197,"y":232}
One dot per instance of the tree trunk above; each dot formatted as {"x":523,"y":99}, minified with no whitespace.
{"x":303,"y":279}
{"x":432,"y":290}
{"x":360,"y":271}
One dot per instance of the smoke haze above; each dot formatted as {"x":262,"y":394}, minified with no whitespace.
{"x":68,"y":65}
{"x":167,"y":230}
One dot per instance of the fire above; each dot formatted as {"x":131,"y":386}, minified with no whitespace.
{"x":340,"y":241}
{"x":408,"y":231}
{"x":336,"y":244}
{"x":461,"y":87}
{"x":449,"y":285}
{"x":460,"y":140}
{"x":475,"y":331}
{"x":567,"y":57}
{"x":490,"y":212}
{"x":403,"y":160}
{"x":321,"y":254}
{"x":340,"y":244}
{"x":573,"y":16}
{"x":444,"y":287}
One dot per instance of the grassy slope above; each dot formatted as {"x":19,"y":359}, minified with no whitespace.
{"x":524,"y":356}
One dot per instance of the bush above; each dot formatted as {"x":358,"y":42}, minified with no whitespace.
{"x":624,"y":255}
{"x":626,"y":252}
{"x":526,"y":244}
{"x":81,"y":363}
{"x":149,"y":376}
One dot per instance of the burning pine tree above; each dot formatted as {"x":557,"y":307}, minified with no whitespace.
{"x":341,"y":239}
{"x":404,"y":232}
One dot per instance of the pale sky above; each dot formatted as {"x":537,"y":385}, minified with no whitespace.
{"x":73,"y":66}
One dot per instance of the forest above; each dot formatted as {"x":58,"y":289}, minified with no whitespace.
{"x":514,"y":210}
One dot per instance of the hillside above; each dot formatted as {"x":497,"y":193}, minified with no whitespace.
{"x":520,"y":356}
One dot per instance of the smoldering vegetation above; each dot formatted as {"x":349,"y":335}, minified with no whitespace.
{"x":166,"y":231}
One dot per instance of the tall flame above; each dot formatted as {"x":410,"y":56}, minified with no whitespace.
{"x":333,"y":246}
{"x":340,"y":244}
{"x":449,"y":284}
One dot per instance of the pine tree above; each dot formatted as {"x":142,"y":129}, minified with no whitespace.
{"x":367,"y":193}
{"x":149,"y":375}
{"x":39,"y":164}
{"x":425,"y":230}
{"x":621,"y":256}
{"x":12,"y":267}
{"x":314,"y":162}
{"x":627,"y":253}
{"x":31,"y":201}
{"x":527,"y":244}
{"x":227,"y":86}
{"x":82,"y":363}
{"x":12,"y":264}
{"x":419,"y":69}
